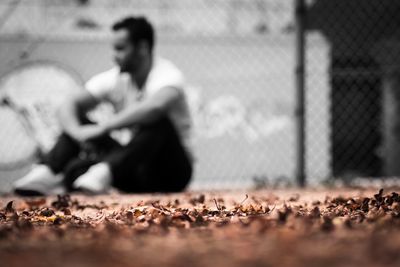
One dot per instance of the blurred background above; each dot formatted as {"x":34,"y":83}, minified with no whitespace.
{"x":240,"y":60}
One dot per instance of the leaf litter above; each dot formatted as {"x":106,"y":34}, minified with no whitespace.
{"x":257,"y":228}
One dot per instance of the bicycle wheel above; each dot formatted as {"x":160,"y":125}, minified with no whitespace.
{"x":31,"y":95}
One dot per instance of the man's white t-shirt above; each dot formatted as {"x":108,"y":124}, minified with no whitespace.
{"x":117,"y":88}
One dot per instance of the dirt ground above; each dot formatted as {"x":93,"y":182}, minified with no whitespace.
{"x":294,"y":227}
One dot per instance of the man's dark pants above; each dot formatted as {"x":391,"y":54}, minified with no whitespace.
{"x":153,"y":161}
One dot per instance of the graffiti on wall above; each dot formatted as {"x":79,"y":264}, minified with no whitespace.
{"x":227,"y":115}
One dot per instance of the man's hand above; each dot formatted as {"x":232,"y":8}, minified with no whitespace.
{"x":72,"y":114}
{"x":88,"y":132}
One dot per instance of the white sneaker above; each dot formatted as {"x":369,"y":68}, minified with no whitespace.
{"x":96,"y":180}
{"x":39,"y":181}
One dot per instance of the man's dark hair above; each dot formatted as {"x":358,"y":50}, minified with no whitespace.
{"x":139,"y":29}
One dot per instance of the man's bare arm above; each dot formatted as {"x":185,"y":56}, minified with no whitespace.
{"x":145,"y":112}
{"x":72,"y":111}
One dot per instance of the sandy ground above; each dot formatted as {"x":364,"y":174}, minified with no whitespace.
{"x":293,"y":227}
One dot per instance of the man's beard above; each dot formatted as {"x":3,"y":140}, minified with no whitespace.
{"x":131,"y":68}
{"x":123,"y":68}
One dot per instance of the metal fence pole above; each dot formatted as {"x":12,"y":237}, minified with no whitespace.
{"x":300,"y":91}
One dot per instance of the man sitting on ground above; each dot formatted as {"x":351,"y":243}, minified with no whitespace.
{"x":148,"y":96}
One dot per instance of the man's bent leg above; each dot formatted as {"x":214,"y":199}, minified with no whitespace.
{"x":153,"y":147}
{"x":65,"y":150}
{"x":173,"y":169}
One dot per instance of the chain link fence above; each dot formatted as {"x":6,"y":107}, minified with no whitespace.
{"x":357,"y":113}
{"x":238,"y":57}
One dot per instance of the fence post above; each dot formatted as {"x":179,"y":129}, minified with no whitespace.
{"x":300,"y":13}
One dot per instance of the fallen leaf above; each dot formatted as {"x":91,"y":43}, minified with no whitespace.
{"x":9,"y":207}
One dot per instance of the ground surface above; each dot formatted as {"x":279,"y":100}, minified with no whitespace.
{"x":340,"y":227}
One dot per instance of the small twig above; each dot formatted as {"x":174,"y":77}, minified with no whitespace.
{"x":272,"y":209}
{"x":216,"y":204}
{"x":241,"y":203}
